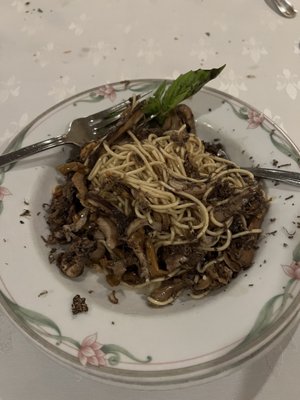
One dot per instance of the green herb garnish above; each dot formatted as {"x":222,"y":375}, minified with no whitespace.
{"x":168,"y":95}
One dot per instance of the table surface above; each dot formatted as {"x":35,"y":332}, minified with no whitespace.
{"x":51,"y":50}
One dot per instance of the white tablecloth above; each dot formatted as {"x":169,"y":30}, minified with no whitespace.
{"x":50,"y":50}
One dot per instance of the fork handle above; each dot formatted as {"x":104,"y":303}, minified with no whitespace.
{"x":288,"y":177}
{"x":24,"y":152}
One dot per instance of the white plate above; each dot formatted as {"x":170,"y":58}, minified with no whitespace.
{"x":131,"y":343}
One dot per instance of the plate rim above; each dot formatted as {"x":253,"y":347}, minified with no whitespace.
{"x":165,"y":377}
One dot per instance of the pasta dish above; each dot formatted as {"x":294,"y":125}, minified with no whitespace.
{"x":155,"y":206}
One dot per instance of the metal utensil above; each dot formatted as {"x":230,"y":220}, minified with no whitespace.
{"x":80,"y":131}
{"x":288,"y":177}
{"x":285,"y":8}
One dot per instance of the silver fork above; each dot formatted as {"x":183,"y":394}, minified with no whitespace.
{"x":288,"y":177}
{"x":80,"y":131}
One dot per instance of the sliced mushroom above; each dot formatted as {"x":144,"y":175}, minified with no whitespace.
{"x":95,"y":199}
{"x":87,"y":150}
{"x":188,"y":187}
{"x":231,"y":263}
{"x":97,"y":254}
{"x":187,"y":117}
{"x":96,"y":202}
{"x":79,"y":182}
{"x":154,"y":270}
{"x":224,"y":273}
{"x":70,"y":264}
{"x":73,"y":166}
{"x":181,"y":115}
{"x":221,"y":191}
{"x":256,"y":221}
{"x":219,"y":274}
{"x":139,"y":223}
{"x":127,"y":122}
{"x":202,"y":284}
{"x":109,"y":230}
{"x":135,"y":225}
{"x":250,"y":201}
{"x":234,"y":205}
{"x":166,"y":293}
{"x":137,"y":243}
{"x":98,"y":235}
{"x":80,"y":220}
{"x":173,"y":261}
{"x":119,"y":268}
{"x":116,"y":270}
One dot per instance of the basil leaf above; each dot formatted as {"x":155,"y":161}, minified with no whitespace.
{"x":168,"y":95}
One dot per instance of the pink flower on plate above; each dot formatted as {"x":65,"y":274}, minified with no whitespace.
{"x":107,"y":91}
{"x":90,"y":351}
{"x":292,"y":270}
{"x":4,"y":192}
{"x":254,"y":119}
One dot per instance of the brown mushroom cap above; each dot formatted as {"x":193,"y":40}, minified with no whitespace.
{"x":181,"y":115}
{"x":71,"y":265}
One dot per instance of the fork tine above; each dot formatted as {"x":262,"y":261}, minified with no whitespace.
{"x":100,"y":115}
{"x":112,"y":117}
{"x":111,"y":110}
{"x":104,"y":123}
{"x":128,"y":101}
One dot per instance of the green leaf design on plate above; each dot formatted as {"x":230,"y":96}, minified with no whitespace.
{"x":141,"y":87}
{"x":278,"y":141}
{"x":15,"y":144}
{"x":296,"y":253}
{"x":114,"y":353}
{"x":284,"y":147}
{"x":1,"y":175}
{"x":270,"y":312}
{"x":242,"y":112}
{"x":32,"y":317}
{"x":37,"y":321}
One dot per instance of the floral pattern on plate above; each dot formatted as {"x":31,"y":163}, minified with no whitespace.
{"x":88,"y":351}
